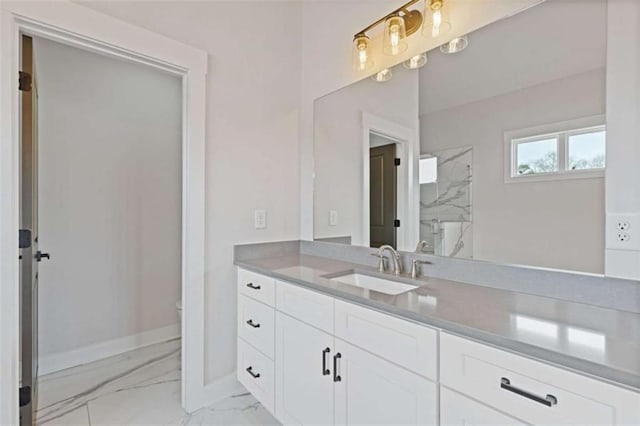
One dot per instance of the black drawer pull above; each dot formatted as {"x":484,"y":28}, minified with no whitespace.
{"x":254,"y":375}
{"x":253,"y":324}
{"x":255,"y":287}
{"x":336,"y":373}
{"x":548,"y":400}
{"x":325,"y":370}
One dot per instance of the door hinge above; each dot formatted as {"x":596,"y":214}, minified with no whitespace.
{"x":24,"y":81}
{"x":396,"y":223}
{"x":396,"y":161}
{"x":24,"y":238}
{"x":24,"y":395}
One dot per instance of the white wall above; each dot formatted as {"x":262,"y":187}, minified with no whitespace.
{"x":253,"y":93}
{"x":623,"y":130}
{"x":110,"y":197}
{"x":555,"y":224}
{"x":338,"y":152}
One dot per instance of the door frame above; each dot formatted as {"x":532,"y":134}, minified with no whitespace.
{"x":81,"y":27}
{"x":408,"y":193}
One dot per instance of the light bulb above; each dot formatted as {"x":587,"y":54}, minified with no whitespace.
{"x":361,"y":56}
{"x":436,"y":19}
{"x":415,"y":62}
{"x":395,"y":39}
{"x":382,"y":76}
{"x":395,"y":34}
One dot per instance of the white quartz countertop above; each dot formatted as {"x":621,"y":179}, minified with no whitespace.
{"x":591,"y":340}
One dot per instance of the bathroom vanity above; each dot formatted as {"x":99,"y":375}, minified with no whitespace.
{"x":316,"y":346}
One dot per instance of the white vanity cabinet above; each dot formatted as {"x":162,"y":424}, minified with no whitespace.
{"x":304,"y":383}
{"x":317,"y":360}
{"x":325,"y":375}
{"x":531,"y":391}
{"x":256,"y":336}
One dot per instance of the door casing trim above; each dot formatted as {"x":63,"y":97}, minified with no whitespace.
{"x":87,"y":29}
{"x":408,"y":193}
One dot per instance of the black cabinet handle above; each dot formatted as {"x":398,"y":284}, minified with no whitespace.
{"x":253,"y":324}
{"x":336,"y":374}
{"x":255,"y":287}
{"x":325,"y":370}
{"x":254,"y":375}
{"x":548,"y":400}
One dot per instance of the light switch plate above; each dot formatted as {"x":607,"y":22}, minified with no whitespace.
{"x":333,"y":217}
{"x":260,"y":219}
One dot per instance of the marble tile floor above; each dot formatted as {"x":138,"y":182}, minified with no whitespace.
{"x":141,"y":387}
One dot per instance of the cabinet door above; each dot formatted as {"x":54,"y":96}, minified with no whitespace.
{"x":304,"y":390}
{"x":458,"y":410}
{"x":374,"y":391}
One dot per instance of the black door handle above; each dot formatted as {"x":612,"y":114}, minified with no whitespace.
{"x":336,"y":374}
{"x":254,"y":375}
{"x":40,"y":255}
{"x":548,"y":400}
{"x":255,"y":287}
{"x":325,"y":370}
{"x":253,"y":324}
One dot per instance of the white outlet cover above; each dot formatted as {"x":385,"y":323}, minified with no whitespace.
{"x":623,"y":231}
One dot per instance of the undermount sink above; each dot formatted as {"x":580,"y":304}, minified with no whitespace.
{"x":376,"y":284}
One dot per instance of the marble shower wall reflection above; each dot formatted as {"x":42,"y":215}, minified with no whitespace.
{"x":446,"y":205}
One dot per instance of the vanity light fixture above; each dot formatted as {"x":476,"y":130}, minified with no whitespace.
{"x":456,"y":45}
{"x":382,"y":76}
{"x":436,"y":19}
{"x":415,"y":62}
{"x":398,"y":25}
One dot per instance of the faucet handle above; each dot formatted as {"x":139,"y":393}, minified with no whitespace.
{"x":414,"y":266}
{"x":381,"y":258}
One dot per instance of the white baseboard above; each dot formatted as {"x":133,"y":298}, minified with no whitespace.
{"x":222,"y":388}
{"x":62,"y":360}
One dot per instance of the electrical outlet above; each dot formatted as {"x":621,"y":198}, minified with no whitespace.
{"x":623,"y":237}
{"x":333,"y":217}
{"x":260,"y":219}
{"x":621,"y":231}
{"x":623,"y":225}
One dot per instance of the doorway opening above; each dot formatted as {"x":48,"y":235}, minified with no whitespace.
{"x":383,"y":186}
{"x":101,"y":193}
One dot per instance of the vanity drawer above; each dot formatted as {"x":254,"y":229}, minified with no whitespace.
{"x":257,"y":286}
{"x":305,"y":305}
{"x":257,"y":373}
{"x":458,"y":410}
{"x":532,"y":391}
{"x":256,"y":324}
{"x":405,"y":343}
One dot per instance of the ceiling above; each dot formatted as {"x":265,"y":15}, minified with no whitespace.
{"x":553,"y":40}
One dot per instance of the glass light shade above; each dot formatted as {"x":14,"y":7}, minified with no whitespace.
{"x":436,"y":19}
{"x":395,"y":36}
{"x":382,"y":76}
{"x":362,"y":53}
{"x":416,"y":62}
{"x":456,"y":45}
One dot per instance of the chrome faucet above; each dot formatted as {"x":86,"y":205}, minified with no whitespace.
{"x":395,"y":257}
